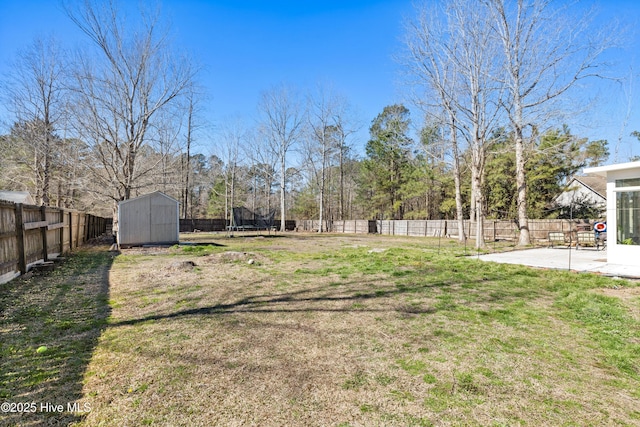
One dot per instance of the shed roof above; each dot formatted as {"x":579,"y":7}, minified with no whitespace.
{"x":160,"y":193}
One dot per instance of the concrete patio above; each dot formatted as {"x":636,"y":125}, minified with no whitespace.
{"x":563,"y":258}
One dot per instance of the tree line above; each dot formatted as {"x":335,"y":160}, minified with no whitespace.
{"x":489,"y":78}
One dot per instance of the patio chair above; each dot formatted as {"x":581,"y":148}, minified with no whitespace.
{"x":588,"y":238}
{"x":556,"y":238}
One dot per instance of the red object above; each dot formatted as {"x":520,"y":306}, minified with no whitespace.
{"x":600,"y":227}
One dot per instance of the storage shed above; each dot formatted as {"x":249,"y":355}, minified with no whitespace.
{"x":152,"y":219}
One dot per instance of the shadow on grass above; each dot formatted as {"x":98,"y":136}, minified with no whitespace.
{"x":64,"y":310}
{"x":314,"y":300}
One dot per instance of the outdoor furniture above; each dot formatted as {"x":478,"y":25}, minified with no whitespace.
{"x":588,"y":238}
{"x":556,"y":238}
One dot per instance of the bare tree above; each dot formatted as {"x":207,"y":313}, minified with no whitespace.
{"x":544,"y":55}
{"x":430,"y":60}
{"x":193,"y":106}
{"x":262,"y":169}
{"x":283,"y":118}
{"x":329,"y":128}
{"x":456,"y":58}
{"x":121,"y":94}
{"x":234,"y":135}
{"x":36,"y":94}
{"x":187,"y":159}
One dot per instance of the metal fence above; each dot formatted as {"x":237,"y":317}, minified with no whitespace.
{"x":31,"y":235}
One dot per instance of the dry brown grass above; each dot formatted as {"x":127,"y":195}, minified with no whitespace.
{"x":320,"y":330}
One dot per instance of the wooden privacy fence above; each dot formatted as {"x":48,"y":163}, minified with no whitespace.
{"x":35,"y":234}
{"x":220,"y":224}
{"x":493,"y":229}
{"x":347,"y":226}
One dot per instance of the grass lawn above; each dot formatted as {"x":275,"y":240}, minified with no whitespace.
{"x":331,"y":330}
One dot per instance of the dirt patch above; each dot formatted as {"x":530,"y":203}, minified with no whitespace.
{"x":234,"y":256}
{"x":152,"y":250}
{"x":622,"y":292}
{"x":630,"y":297}
{"x":181,"y":266}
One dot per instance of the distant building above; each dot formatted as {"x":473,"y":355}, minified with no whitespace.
{"x":152,"y":219}
{"x":17,"y":197}
{"x":584,"y":191}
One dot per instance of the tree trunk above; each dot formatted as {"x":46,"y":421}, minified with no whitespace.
{"x":523,"y":220}
{"x":187,"y":191}
{"x":476,"y":190}
{"x":283,"y":181}
{"x":480,"y":243}
{"x":341,"y":213}
{"x":457,"y":182}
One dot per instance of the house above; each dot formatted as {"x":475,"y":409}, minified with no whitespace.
{"x":152,"y":219}
{"x":584,"y":191}
{"x":17,"y":197}
{"x":623,"y":211}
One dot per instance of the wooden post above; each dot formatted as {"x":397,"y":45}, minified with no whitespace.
{"x":22,"y":259}
{"x":78,"y":241}
{"x":61,"y":232}
{"x":70,"y":231}
{"x":43,"y":231}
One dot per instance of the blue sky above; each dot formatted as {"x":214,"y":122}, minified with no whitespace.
{"x":247,"y":47}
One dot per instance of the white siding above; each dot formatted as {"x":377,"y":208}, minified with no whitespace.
{"x":617,"y":253}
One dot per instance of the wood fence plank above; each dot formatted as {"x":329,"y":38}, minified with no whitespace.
{"x":22,"y":258}
{"x":34,"y":224}
{"x":11,"y":263}
{"x":43,"y":232}
{"x":70,"y":231}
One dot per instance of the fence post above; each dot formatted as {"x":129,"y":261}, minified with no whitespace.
{"x":43,"y":231}
{"x":22,"y":259}
{"x":70,"y":231}
{"x":61,"y":232}
{"x":78,"y":241}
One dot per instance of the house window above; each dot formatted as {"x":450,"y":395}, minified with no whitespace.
{"x":628,"y":211}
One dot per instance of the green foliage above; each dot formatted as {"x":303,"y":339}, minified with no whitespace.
{"x":306,"y":205}
{"x":500,"y":182}
{"x":217,"y":196}
{"x":387,"y":165}
{"x":552,"y":160}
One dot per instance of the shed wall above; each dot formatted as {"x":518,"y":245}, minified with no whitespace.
{"x":148,"y":220}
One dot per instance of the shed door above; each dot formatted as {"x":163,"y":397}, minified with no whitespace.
{"x":163,"y":220}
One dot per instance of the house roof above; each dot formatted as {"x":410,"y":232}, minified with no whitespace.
{"x":16,"y":197}
{"x":598,"y":184}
